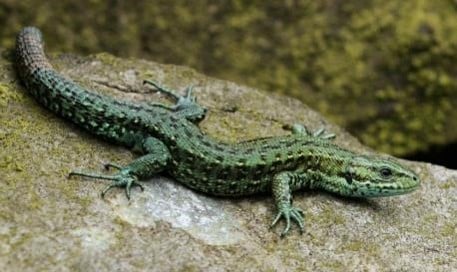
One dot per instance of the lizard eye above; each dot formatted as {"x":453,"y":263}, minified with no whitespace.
{"x":348,"y":176}
{"x":386,"y":172}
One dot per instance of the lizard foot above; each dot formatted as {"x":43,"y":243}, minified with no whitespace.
{"x":289,"y":213}
{"x":123,"y":179}
{"x":181,"y":101}
{"x":320,"y":133}
{"x":187,"y":105}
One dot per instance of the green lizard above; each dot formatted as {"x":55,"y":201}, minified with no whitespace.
{"x":171,"y":142}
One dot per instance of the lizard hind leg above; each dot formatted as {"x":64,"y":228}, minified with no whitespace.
{"x":185,"y":106}
{"x":155,"y":161}
{"x":122,"y":179}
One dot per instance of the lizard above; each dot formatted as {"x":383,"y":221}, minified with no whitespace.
{"x":170,"y":142}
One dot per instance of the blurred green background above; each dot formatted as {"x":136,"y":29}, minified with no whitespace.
{"x":385,"y":70}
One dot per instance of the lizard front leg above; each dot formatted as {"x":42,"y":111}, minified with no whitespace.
{"x":155,"y":161}
{"x":281,"y":186}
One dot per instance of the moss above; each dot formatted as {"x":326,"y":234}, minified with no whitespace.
{"x":449,"y":230}
{"x":354,"y":246}
{"x":107,"y":59}
{"x":334,"y":266}
{"x":360,"y":246}
{"x":329,"y":217}
{"x":9,"y":93}
{"x":447,"y":185}
{"x":431,"y":217}
{"x":120,"y":222}
{"x":189,"y":268}
{"x":10,"y":163}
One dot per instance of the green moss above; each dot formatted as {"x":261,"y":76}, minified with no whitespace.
{"x":3,"y":95}
{"x":334,"y":266}
{"x":189,"y":268}
{"x":10,"y":163}
{"x":447,"y":185}
{"x":326,"y":217}
{"x":354,"y":246}
{"x":107,"y":58}
{"x":449,"y":230}
{"x":9,"y":93}
{"x":120,"y":222}
{"x":360,"y":246}
{"x":431,"y":217}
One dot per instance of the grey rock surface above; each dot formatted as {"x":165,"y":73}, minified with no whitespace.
{"x":51,"y":223}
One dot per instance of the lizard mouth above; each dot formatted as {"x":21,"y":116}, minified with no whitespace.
{"x":400,"y":191}
{"x":390,"y":190}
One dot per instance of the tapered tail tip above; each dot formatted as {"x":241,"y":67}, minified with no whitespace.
{"x":31,"y":31}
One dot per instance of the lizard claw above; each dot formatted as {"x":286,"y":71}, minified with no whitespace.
{"x":112,"y":165}
{"x":320,"y":133}
{"x":122,"y":179}
{"x":289,"y":213}
{"x":182,"y":101}
{"x":128,"y":183}
{"x":184,"y":104}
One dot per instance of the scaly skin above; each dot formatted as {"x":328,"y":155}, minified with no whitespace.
{"x":171,"y":142}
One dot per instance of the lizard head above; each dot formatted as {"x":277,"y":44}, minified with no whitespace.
{"x":364,"y":176}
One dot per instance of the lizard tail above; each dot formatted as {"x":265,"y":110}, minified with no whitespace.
{"x":94,"y":112}
{"x":101,"y":115}
{"x":29,"y":52}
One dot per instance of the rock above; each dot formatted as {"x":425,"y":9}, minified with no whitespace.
{"x":53,"y":223}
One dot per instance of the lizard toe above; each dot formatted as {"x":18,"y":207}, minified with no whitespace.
{"x":290,"y":214}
